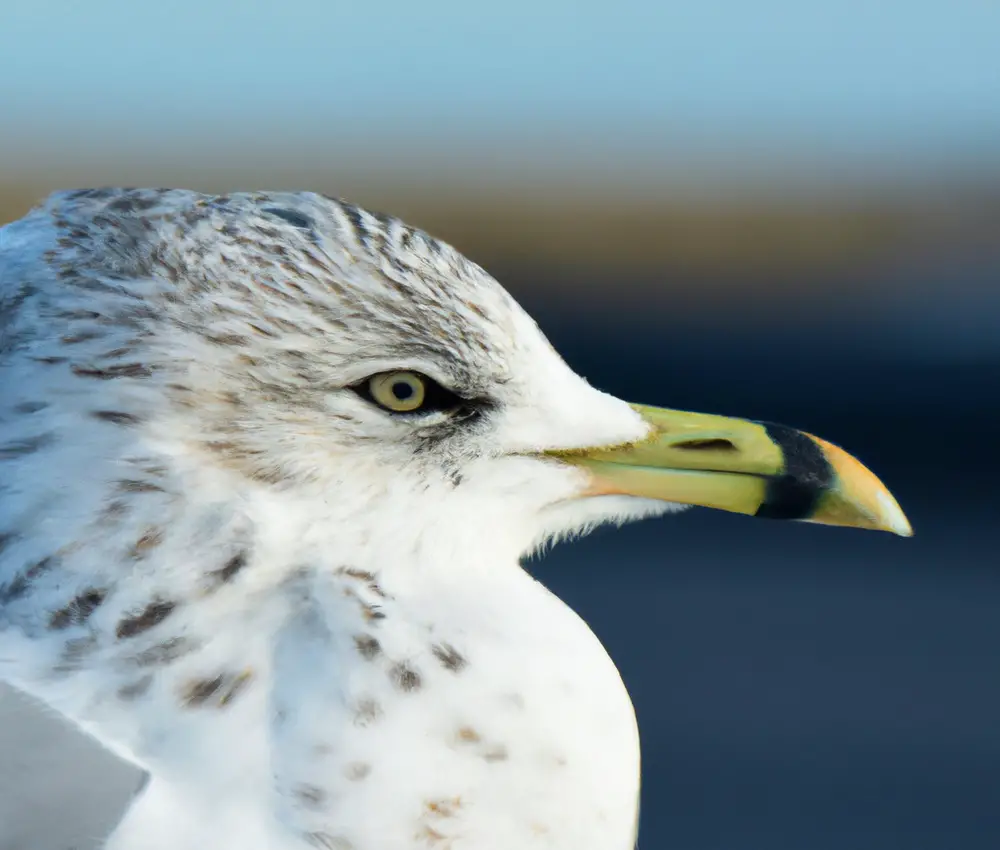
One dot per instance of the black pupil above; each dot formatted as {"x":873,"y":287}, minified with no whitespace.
{"x":402,"y":391}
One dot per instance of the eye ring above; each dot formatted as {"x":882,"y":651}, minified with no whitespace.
{"x":398,"y":392}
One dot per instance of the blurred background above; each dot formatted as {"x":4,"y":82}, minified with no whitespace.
{"x":780,"y":209}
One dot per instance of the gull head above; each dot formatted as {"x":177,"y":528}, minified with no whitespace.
{"x":358,"y":371}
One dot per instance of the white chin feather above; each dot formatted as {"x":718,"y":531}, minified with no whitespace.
{"x":574,"y":518}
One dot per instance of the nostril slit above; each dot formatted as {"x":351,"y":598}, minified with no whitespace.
{"x":707,"y":445}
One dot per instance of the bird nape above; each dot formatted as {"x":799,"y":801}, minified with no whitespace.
{"x":270,"y":463}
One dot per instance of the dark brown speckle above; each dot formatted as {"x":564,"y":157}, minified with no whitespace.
{"x":125,"y":370}
{"x":404,"y":677}
{"x":234,"y":687}
{"x":152,"y":615}
{"x":228,"y":571}
{"x":365,"y":576}
{"x":19,"y":585}
{"x":368,"y":646}
{"x":116,"y":417}
{"x":371,"y":613}
{"x":77,"y":611}
{"x":134,"y":485}
{"x":218,"y":692}
{"x":200,"y":691}
{"x":450,"y":658}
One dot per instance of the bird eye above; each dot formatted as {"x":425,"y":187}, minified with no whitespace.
{"x":400,"y":392}
{"x":404,"y":391}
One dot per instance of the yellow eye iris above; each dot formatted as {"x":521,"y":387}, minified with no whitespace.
{"x":400,"y":392}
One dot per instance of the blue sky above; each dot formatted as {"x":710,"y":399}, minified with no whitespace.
{"x":884,"y":78}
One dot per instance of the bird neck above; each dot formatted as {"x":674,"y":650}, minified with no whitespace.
{"x":249,"y":657}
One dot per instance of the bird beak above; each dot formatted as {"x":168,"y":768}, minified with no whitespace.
{"x":739,"y":465}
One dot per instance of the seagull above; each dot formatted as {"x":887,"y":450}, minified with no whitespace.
{"x":269,"y":464}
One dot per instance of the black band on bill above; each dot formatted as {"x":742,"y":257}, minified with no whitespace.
{"x":795,"y":493}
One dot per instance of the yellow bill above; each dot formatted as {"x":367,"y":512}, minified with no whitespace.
{"x":755,"y":468}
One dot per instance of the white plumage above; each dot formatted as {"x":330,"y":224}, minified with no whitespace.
{"x":233,"y":550}
{"x":303,"y":615}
